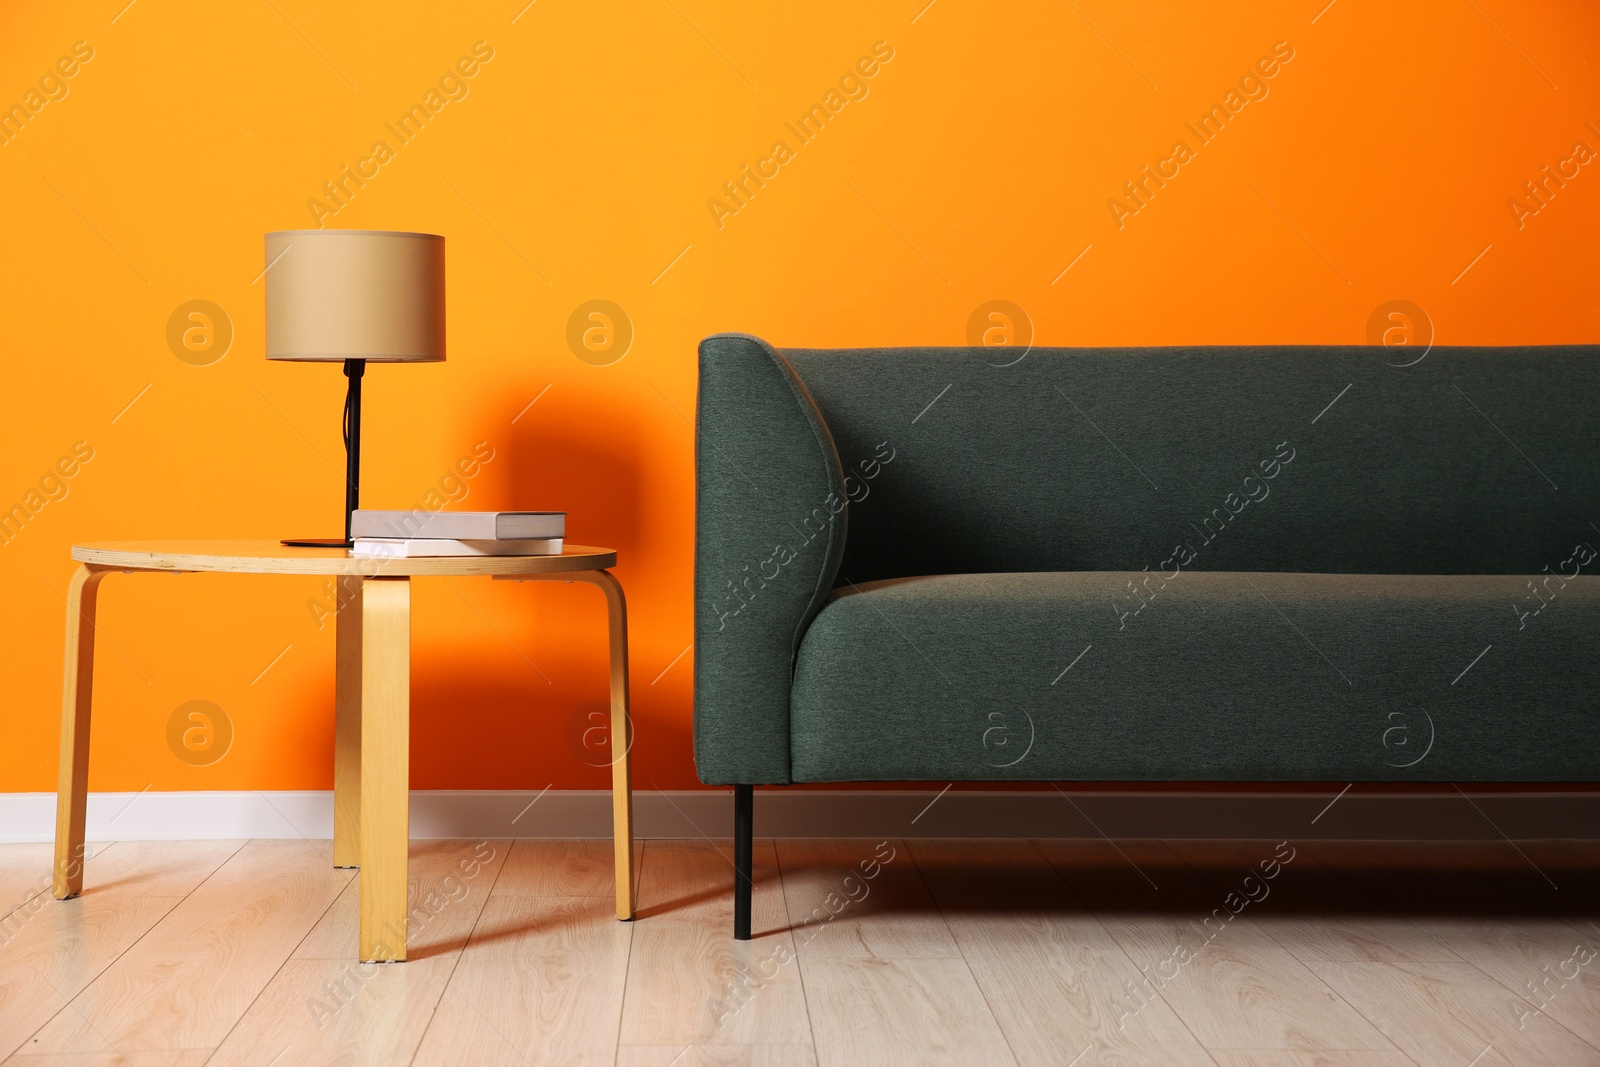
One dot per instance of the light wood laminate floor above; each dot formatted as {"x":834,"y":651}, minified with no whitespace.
{"x":1227,"y":953}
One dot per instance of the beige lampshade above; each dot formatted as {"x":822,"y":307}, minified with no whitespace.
{"x":334,"y":295}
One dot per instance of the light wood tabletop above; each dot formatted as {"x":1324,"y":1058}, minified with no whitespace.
{"x":270,"y":557}
{"x":372,"y":700}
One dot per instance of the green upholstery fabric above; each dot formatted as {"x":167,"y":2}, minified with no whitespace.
{"x":1043,"y":466}
{"x":770,"y":512}
{"x":1070,"y":463}
{"x":1221,"y":676}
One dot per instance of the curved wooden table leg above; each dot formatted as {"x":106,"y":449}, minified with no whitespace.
{"x":72,"y":789}
{"x":621,"y":724}
{"x":621,"y":735}
{"x":385,"y":767}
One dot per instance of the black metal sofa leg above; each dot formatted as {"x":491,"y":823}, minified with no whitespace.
{"x":743,"y":817}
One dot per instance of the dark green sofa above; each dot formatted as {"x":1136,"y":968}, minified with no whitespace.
{"x":1183,"y":564}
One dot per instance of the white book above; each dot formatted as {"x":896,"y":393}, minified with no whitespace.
{"x":459,"y":525}
{"x":413,"y":547}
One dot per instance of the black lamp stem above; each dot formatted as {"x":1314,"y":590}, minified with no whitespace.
{"x":353,"y":370}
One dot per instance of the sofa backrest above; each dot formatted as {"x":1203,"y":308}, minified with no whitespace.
{"x":1269,"y":458}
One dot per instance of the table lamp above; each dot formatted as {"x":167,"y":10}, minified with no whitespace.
{"x":354,"y":297}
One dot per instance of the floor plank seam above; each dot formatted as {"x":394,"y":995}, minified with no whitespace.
{"x":965,"y":963}
{"x":788,"y":918}
{"x":46,"y":886}
{"x":1313,"y":975}
{"x":47,"y":880}
{"x":177,"y":903}
{"x":241,"y":1017}
{"x":460,"y":954}
{"x":627,"y":964}
{"x":1472,"y":875}
{"x":1170,"y":1006}
{"x":1117,"y":941}
{"x":1360,"y":892}
{"x":1544,"y":1014}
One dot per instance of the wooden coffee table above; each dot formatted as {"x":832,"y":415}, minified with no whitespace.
{"x":372,"y":706}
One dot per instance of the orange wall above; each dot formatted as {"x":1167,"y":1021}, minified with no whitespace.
{"x":579,"y":165}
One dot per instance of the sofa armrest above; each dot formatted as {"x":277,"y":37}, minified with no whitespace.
{"x":770,"y":515}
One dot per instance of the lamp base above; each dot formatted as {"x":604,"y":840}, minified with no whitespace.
{"x":316,"y":542}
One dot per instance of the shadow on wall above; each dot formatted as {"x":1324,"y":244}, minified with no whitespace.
{"x":506,"y":727}
{"x":559,"y":455}
{"x":531,"y":735}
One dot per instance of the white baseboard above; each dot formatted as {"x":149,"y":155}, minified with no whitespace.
{"x":1445,"y":815}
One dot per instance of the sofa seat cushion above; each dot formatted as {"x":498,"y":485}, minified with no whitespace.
{"x":1216,"y":676}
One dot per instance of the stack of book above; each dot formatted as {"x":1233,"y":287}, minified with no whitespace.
{"x":407,"y":534}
